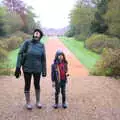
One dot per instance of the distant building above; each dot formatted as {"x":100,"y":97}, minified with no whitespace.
{"x":55,"y":32}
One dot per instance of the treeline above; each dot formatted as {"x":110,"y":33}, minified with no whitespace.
{"x":15,"y":16}
{"x":97,"y":23}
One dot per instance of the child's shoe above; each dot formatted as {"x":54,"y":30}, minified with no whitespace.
{"x":55,"y":106}
{"x":64,"y":105}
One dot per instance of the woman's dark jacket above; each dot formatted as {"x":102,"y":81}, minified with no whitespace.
{"x":32,"y":57}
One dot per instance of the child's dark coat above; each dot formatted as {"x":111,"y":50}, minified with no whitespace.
{"x":55,"y":73}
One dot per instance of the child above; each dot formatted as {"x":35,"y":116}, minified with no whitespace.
{"x":59,"y":77}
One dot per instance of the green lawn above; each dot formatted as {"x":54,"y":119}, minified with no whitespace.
{"x":12,"y":57}
{"x":85,"y":56}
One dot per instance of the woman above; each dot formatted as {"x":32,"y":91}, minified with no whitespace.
{"x":32,"y":59}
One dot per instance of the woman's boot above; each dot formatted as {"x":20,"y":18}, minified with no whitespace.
{"x":28,"y":104}
{"x":37,"y":93}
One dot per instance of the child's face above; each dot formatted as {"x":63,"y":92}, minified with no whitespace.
{"x":60,"y":57}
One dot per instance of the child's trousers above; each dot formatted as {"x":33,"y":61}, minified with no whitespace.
{"x":60,"y":86}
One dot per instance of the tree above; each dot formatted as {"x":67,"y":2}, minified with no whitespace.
{"x":81,"y":17}
{"x":2,"y":12}
{"x":19,"y":10}
{"x":17,"y":6}
{"x":71,"y":31}
{"x":112,"y":17}
{"x":98,"y":24}
{"x":12,"y":22}
{"x":30,"y":23}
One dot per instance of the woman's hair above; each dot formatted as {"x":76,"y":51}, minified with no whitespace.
{"x":64,"y":58}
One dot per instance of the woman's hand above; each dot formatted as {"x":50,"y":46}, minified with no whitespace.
{"x":17,"y":72}
{"x":43,"y":74}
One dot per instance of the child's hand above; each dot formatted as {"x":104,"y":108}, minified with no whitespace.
{"x":67,"y":74}
{"x":53,"y":84}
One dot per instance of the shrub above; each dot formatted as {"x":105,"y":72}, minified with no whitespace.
{"x":3,"y":44}
{"x":14,"y":42}
{"x":81,"y":37}
{"x":22,"y":35}
{"x":3,"y":54}
{"x":69,"y":34}
{"x":98,"y":42}
{"x":5,"y":72}
{"x":109,"y":64}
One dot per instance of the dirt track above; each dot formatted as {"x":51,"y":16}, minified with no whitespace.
{"x":89,"y":97}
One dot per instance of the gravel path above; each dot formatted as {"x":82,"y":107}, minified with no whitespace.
{"x":88,"y":97}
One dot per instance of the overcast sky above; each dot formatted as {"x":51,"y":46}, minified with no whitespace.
{"x":52,"y":13}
